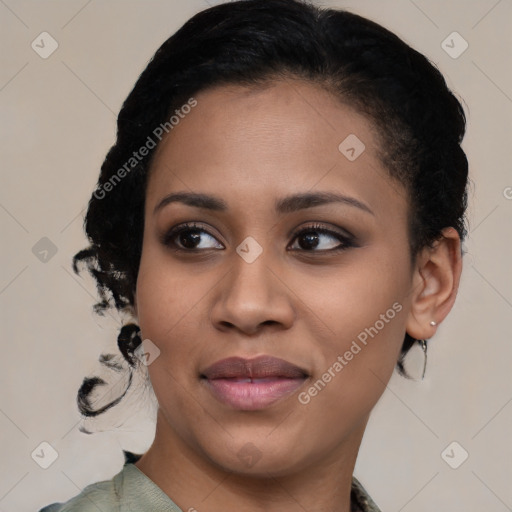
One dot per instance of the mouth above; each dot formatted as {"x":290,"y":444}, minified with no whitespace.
{"x":252,"y":384}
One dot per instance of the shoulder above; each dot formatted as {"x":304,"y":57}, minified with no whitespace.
{"x":128,"y":491}
{"x":105,"y":495}
{"x":98,"y":496}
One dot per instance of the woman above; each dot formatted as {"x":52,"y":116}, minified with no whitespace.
{"x":282,"y":214}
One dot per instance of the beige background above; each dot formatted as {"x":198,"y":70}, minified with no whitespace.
{"x":58,"y":121}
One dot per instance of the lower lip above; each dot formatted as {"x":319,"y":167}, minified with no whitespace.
{"x":251,"y":396}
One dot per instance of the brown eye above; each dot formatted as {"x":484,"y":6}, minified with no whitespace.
{"x":190,"y":237}
{"x":317,"y":238}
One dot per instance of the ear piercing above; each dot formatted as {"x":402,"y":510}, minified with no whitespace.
{"x":433,"y":324}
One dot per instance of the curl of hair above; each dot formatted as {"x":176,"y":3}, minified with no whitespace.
{"x":128,"y":341}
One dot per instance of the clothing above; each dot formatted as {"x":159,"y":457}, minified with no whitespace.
{"x":131,"y":490}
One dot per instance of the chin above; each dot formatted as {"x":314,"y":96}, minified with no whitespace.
{"x":257,"y":456}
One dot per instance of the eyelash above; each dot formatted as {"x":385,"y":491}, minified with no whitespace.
{"x":346,"y":241}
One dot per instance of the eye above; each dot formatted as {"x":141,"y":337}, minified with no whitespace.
{"x":190,"y":237}
{"x":311,"y":238}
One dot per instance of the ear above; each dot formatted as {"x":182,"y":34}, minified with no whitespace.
{"x":435,"y":284}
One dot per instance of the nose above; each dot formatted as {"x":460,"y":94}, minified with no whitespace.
{"x":251,"y":296}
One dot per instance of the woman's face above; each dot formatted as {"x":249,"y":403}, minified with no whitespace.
{"x":244,"y":283}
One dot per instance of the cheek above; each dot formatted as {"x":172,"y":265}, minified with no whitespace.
{"x":165,"y":295}
{"x":358,"y":295}
{"x":171,"y":301}
{"x":364,"y":309}
{"x":355,"y":369}
{"x":165,"y":305}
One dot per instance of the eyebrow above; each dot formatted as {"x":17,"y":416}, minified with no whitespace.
{"x":287,"y":204}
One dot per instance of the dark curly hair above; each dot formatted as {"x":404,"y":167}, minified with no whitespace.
{"x":418,"y":121}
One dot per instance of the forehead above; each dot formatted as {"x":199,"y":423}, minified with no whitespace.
{"x":258,"y":143}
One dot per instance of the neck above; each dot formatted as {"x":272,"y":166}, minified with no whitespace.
{"x":196,"y":484}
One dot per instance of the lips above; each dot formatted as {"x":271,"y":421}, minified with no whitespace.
{"x":251,"y":384}
{"x":257,"y":368}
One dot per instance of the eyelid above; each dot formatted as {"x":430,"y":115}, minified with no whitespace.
{"x":324,"y":228}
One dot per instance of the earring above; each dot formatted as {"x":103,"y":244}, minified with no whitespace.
{"x":423,"y":344}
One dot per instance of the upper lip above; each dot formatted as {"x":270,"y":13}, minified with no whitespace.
{"x":258,"y":367}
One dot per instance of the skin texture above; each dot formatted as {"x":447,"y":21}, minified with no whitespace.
{"x":250,"y":147}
